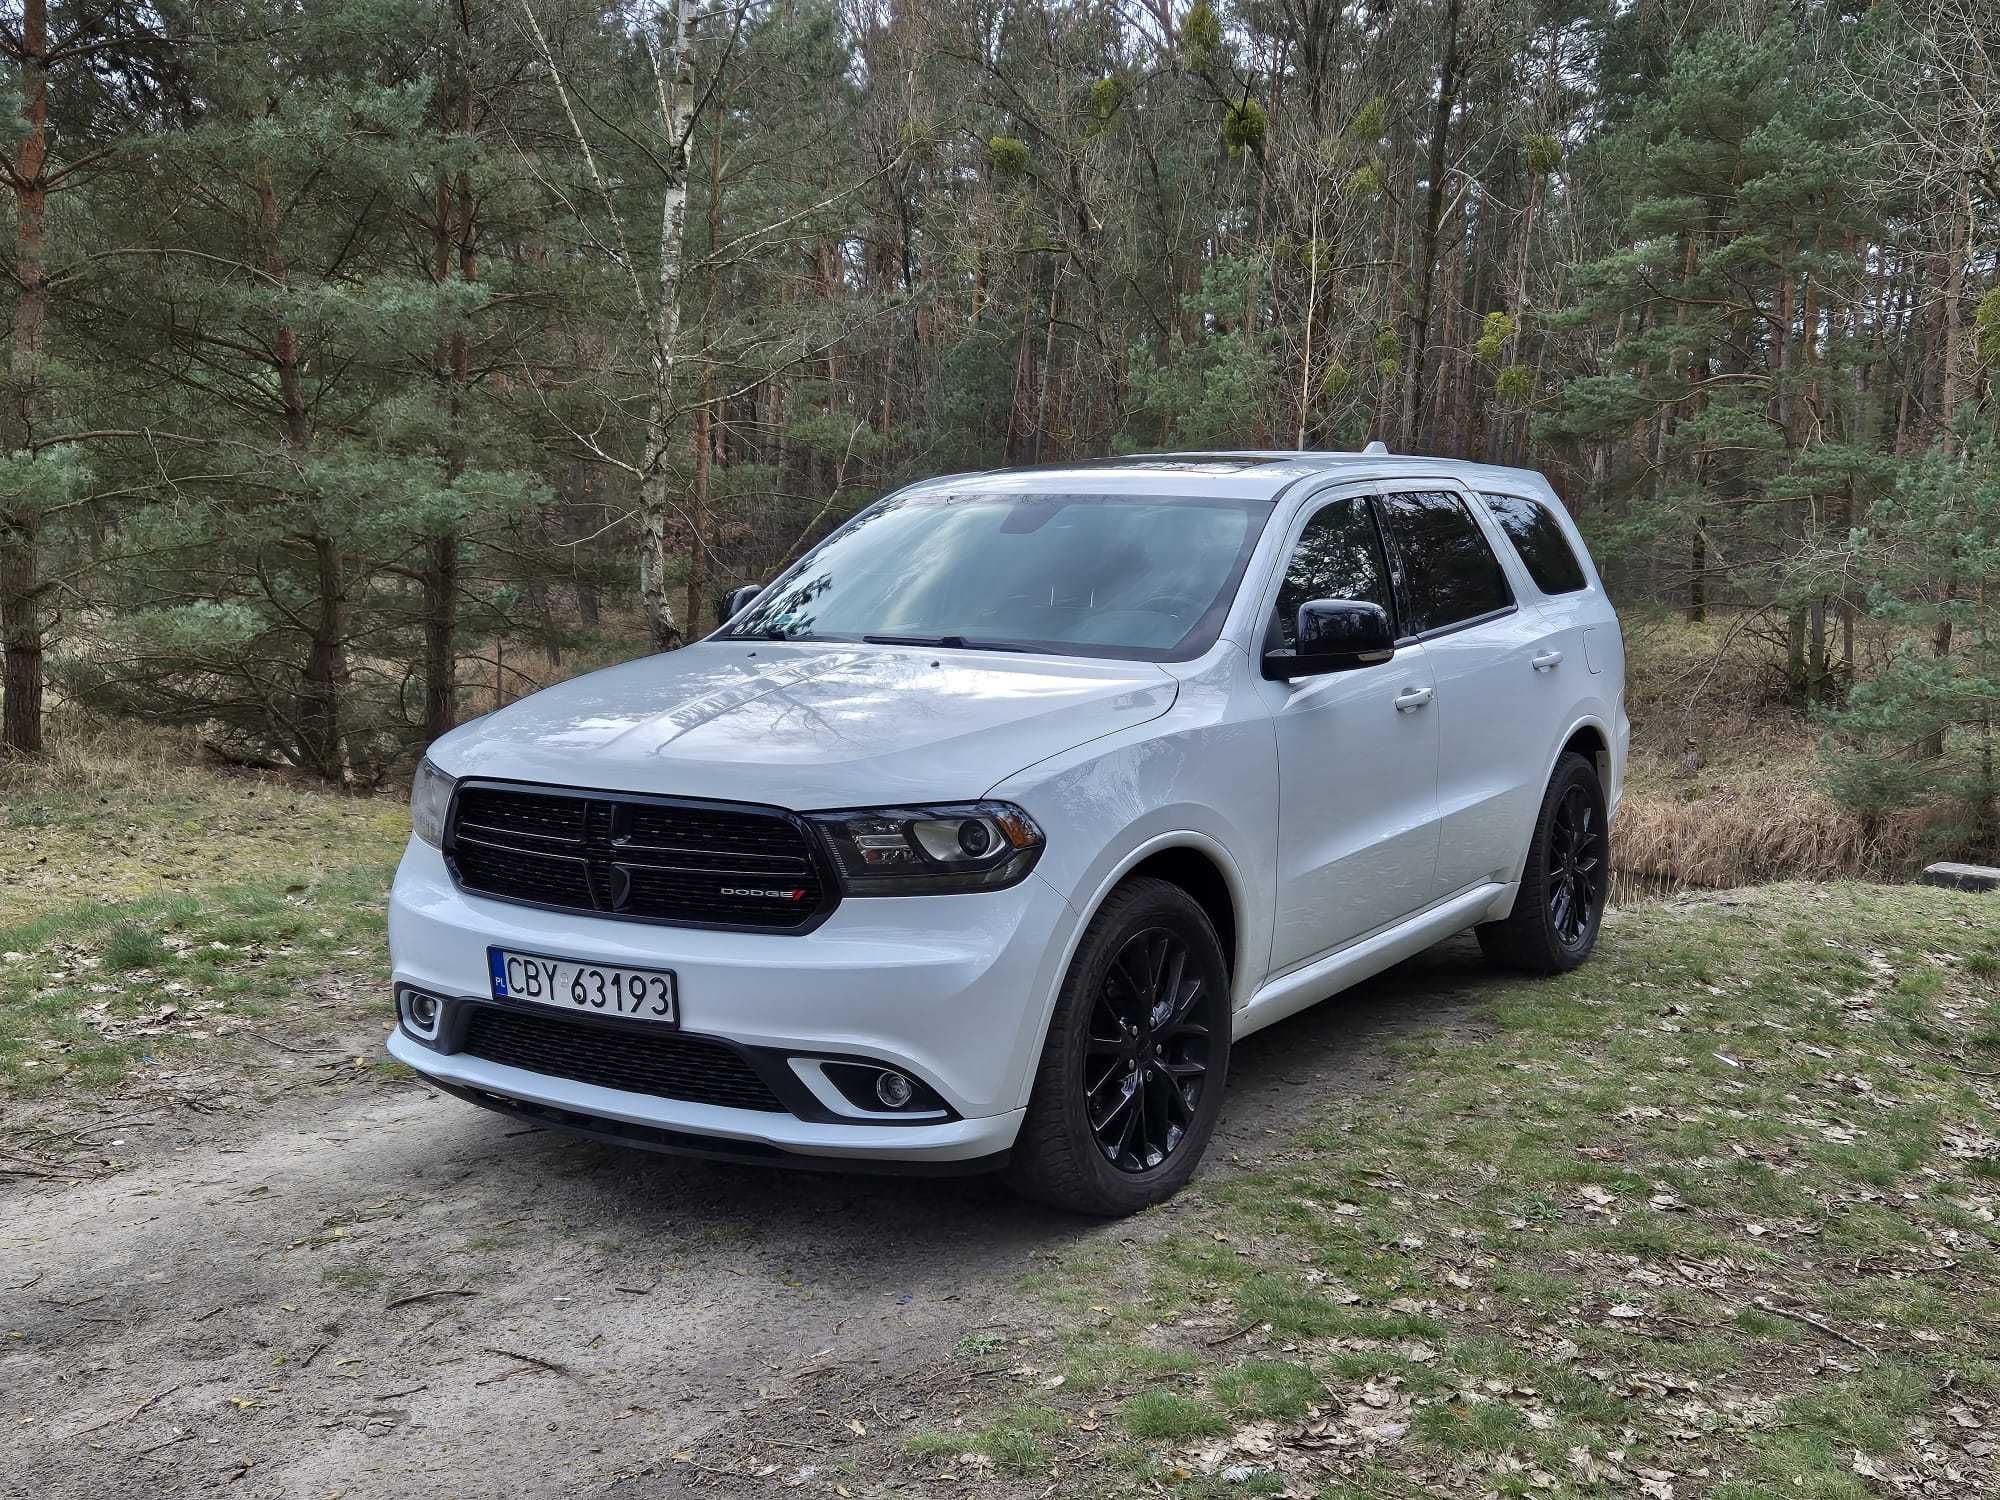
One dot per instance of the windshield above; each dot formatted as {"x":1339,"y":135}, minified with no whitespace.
{"x":1085,"y":575}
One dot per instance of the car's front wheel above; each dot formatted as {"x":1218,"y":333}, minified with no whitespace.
{"x":1131,"y":1075}
{"x":1560,"y":904}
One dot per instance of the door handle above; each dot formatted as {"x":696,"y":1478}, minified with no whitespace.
{"x":1548,"y":661}
{"x":1411,"y":699}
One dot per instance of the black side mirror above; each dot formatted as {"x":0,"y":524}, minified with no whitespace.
{"x":1334,"y":635}
{"x":733,"y":602}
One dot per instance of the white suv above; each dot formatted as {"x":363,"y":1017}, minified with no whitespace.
{"x":977,"y":837}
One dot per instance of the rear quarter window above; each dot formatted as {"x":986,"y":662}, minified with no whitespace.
{"x":1538,"y":536}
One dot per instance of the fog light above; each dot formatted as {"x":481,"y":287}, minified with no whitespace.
{"x":421,"y":1014}
{"x":893,"y":1089}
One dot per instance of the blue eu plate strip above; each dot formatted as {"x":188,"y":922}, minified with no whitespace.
{"x":498,"y":966}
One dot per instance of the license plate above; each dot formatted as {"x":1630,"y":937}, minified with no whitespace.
{"x":575,"y":984}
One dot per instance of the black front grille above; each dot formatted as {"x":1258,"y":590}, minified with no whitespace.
{"x":649,"y":859}
{"x":666,"y":1064}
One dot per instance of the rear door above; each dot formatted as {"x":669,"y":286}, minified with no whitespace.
{"x":1556,"y":577}
{"x":1500,"y":692}
{"x":1357,"y":754}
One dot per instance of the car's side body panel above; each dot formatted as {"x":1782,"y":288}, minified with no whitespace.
{"x":1582,"y":626}
{"x":1287,"y":994}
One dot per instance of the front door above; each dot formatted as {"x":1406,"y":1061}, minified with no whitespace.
{"x":1357,"y":756}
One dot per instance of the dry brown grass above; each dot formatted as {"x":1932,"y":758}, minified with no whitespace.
{"x":84,"y":756}
{"x":127,"y":812}
{"x":1748,"y":825}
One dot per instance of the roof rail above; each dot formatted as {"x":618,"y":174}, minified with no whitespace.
{"x":1375,"y":446}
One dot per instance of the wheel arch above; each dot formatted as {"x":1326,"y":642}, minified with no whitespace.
{"x":1201,"y":875}
{"x":1587,"y":735}
{"x":1590,"y":739}
{"x":1197,"y":864}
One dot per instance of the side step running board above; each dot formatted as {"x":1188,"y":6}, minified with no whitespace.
{"x":1291,"y":993}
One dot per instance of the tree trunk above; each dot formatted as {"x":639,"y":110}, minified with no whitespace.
{"x":1698,"y":577}
{"x":1500,"y":443}
{"x":699,"y":521}
{"x":21,"y":527}
{"x":1306,"y":352}
{"x":675,"y":71}
{"x":324,"y":683}
{"x":21,"y":630}
{"x":1952,"y":388}
{"x":323,"y":680}
{"x":586,"y":517}
{"x":1427,"y":246}
{"x":440,"y":634}
{"x":454,"y":225}
{"x":698,"y":527}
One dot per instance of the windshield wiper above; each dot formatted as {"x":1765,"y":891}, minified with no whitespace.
{"x":949,"y":642}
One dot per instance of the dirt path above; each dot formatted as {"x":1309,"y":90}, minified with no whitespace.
{"x":402,"y":1295}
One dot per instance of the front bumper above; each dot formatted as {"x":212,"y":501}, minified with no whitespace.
{"x":953,"y":990}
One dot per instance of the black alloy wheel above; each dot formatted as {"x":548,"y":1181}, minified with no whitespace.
{"x":1135,"y":1058}
{"x":1576,"y":867}
{"x":1559,"y":906}
{"x":1146,"y":1058}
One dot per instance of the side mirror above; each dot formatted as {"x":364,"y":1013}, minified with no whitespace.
{"x":733,"y":602}
{"x":1334,"y":635}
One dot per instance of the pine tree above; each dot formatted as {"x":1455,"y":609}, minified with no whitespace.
{"x":1931,"y":554}
{"x":298,"y":545}
{"x":1728,"y":394}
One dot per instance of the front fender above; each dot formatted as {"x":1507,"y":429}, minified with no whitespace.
{"x":1204,"y":777}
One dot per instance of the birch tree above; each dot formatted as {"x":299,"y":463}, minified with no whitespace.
{"x":655,"y":304}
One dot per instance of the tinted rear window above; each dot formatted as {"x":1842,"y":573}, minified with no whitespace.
{"x":1449,"y":572}
{"x":1538,"y":536}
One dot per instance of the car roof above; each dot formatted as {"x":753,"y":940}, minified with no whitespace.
{"x":1229,"y":474}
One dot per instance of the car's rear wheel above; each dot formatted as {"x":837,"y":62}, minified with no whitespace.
{"x":1560,"y":905}
{"x":1132,"y":1072}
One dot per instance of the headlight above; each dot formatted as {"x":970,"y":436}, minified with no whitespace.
{"x":430,"y":800}
{"x":925,"y":851}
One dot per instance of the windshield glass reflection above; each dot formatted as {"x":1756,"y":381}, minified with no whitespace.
{"x":1088,"y":575}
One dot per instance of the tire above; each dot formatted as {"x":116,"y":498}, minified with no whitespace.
{"x":1154,"y":1079}
{"x":1545,"y":934}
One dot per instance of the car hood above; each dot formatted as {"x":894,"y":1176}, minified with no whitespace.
{"x":805,"y":726}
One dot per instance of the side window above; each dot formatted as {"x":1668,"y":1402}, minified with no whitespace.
{"x":1449,"y":571}
{"x":1338,"y":556}
{"x":1538,"y":536}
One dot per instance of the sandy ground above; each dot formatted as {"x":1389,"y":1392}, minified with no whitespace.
{"x":384,"y":1292}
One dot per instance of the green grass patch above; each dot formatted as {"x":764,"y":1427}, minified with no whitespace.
{"x":1014,"y":1440}
{"x":1652,"y":1208}
{"x":1270,"y":1388}
{"x":93,"y":991}
{"x":128,"y":946}
{"x":1169,"y":1417}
